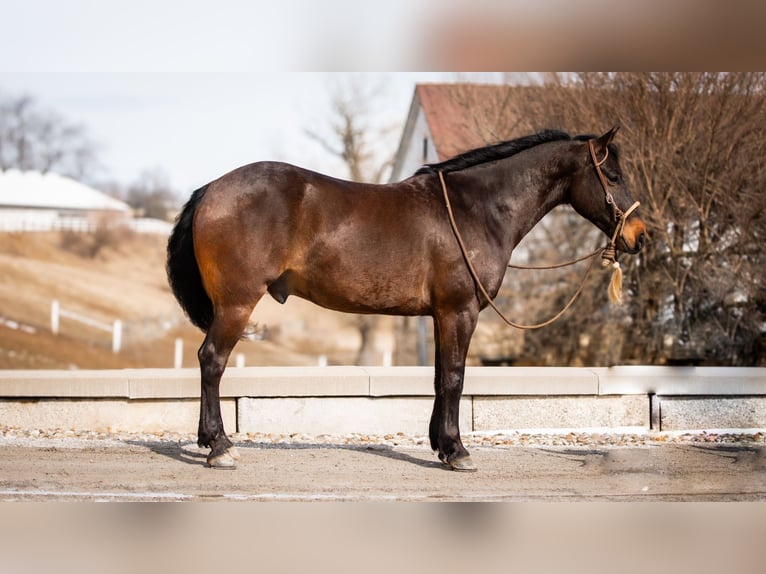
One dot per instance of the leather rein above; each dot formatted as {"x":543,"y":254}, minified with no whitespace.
{"x":608,"y":253}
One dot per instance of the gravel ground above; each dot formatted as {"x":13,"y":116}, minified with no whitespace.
{"x":60,"y":464}
{"x":478,"y":439}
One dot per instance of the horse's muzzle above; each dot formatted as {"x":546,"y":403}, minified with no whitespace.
{"x":634,"y":236}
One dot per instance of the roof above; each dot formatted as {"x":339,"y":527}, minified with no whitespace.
{"x":460,"y":117}
{"x":464,"y":116}
{"x":30,"y":189}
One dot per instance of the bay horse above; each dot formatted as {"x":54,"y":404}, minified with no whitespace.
{"x":275,"y":228}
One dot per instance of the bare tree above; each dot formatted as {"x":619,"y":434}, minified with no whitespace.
{"x":693,"y":148}
{"x":35,"y":139}
{"x":151,"y":195}
{"x":353,"y":132}
{"x":352,"y":137}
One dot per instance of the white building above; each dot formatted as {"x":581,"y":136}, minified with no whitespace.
{"x":32,"y":201}
{"x":447,"y":119}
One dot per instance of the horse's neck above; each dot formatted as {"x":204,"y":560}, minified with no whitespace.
{"x":526,"y":195}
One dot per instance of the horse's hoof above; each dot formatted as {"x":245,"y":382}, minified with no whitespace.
{"x":223,"y":461}
{"x":233,"y":452}
{"x":463,"y":464}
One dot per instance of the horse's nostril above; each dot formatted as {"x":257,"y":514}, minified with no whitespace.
{"x":640,"y":240}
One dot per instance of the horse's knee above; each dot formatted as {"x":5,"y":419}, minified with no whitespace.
{"x":453,"y":382}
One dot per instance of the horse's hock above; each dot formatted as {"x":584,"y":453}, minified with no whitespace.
{"x":387,"y":400}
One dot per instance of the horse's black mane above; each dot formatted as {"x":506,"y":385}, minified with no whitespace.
{"x":496,"y":151}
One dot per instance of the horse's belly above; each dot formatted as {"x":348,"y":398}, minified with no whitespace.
{"x":370,"y":292}
{"x":347,"y":304}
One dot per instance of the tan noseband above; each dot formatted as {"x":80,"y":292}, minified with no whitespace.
{"x":620,"y":216}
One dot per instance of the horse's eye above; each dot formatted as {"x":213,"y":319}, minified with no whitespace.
{"x":613,"y":179}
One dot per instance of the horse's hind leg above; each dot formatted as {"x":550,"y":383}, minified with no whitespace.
{"x":228,"y":325}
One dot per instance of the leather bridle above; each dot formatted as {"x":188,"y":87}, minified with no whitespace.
{"x":609,"y":254}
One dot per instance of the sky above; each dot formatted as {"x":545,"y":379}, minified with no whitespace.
{"x":195,"y":126}
{"x":193,"y":89}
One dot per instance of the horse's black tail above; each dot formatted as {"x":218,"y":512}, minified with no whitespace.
{"x":183,"y":272}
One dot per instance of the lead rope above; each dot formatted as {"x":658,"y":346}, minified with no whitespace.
{"x":609,"y":255}
{"x":480,"y":286}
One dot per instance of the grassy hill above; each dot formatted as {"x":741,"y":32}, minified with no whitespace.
{"x":125,"y":279}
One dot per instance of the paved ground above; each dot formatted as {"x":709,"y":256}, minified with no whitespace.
{"x":657,"y":469}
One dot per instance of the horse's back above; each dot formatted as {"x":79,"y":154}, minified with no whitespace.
{"x":344,"y":245}
{"x":294,"y":197}
{"x":270,"y":183}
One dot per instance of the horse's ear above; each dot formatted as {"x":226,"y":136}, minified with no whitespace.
{"x":607,"y":138}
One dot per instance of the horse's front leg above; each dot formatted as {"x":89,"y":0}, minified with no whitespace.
{"x":454,"y":335}
{"x":436,"y":414}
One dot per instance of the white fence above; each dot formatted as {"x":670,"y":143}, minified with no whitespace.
{"x":145,"y":225}
{"x":114,"y":328}
{"x":31,"y":221}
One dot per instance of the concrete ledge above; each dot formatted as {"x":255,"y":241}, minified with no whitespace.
{"x":530,"y":381}
{"x":681,"y":413}
{"x":387,"y":381}
{"x":681,"y":380}
{"x":296,"y":382}
{"x":162,"y":383}
{"x":110,"y":415}
{"x":419,"y":381}
{"x":493,"y":413}
{"x":334,"y":415}
{"x":251,"y":382}
{"x":88,"y":384}
{"x":374,"y":400}
{"x":400,"y":381}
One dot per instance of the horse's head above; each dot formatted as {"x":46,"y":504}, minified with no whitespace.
{"x":599,"y":193}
